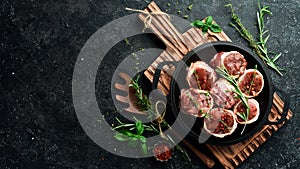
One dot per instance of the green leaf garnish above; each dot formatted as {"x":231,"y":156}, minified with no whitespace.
{"x":209,"y":20}
{"x":139,"y":127}
{"x":207,"y":25}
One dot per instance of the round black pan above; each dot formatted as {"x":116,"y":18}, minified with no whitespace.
{"x":205,"y":53}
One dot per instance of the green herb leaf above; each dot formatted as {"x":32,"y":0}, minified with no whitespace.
{"x":209,"y":20}
{"x":132,"y":143}
{"x":127,"y":133}
{"x":139,"y":127}
{"x":215,"y":28}
{"x":276,"y":57}
{"x":143,"y":139}
{"x":183,"y":151}
{"x":198,"y":24}
{"x":242,"y":115}
{"x":144,"y":148}
{"x":121,"y":137}
{"x":207,"y":25}
{"x":190,"y":7}
{"x":204,"y":29}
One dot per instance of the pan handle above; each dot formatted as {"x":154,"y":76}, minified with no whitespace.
{"x":158,"y":71}
{"x":285,"y":109}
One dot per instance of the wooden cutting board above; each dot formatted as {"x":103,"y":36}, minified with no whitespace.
{"x":178,"y":45}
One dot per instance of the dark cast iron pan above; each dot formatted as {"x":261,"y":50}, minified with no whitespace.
{"x":205,"y":53}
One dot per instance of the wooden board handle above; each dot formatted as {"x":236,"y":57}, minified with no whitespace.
{"x":161,"y":26}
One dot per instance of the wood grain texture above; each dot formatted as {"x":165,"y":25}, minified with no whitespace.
{"x":177,"y":46}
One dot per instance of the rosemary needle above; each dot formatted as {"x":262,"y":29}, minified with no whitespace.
{"x":259,"y":47}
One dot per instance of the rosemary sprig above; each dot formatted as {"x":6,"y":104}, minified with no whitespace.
{"x":224,"y":73}
{"x":142,"y":99}
{"x":260,"y":47}
{"x":252,"y":80}
{"x":221,"y":121}
{"x":263,"y":38}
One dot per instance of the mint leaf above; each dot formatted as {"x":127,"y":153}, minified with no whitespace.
{"x":144,"y":148}
{"x":204,"y":29}
{"x":121,"y":137}
{"x":215,"y":28}
{"x":209,"y":20}
{"x":139,"y":127}
{"x":143,"y":139}
{"x":127,"y":133}
{"x":207,"y":25}
{"x":198,"y":24}
{"x":132,"y":143}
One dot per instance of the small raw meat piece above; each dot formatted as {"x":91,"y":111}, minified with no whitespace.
{"x":201,"y":76}
{"x":195,"y":102}
{"x":251,"y":83}
{"x":241,"y":109}
{"x":220,"y":122}
{"x":223,"y":93}
{"x":234,"y":62}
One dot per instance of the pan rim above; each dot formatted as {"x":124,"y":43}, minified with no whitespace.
{"x":212,"y":139}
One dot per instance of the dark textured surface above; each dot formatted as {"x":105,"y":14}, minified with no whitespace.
{"x":40,"y":42}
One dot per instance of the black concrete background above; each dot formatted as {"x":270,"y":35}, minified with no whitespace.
{"x":40,"y":41}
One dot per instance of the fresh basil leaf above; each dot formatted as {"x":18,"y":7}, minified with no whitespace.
{"x":121,"y":137}
{"x":215,"y":28}
{"x":132,"y":143}
{"x":127,"y":133}
{"x":204,"y":29}
{"x":143,"y":139}
{"x":198,"y":24}
{"x":144,"y":148}
{"x":209,"y":20}
{"x":139,"y":127}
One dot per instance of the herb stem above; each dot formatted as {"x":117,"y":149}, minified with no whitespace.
{"x":260,"y":47}
{"x":224,"y":73}
{"x":252,"y":80}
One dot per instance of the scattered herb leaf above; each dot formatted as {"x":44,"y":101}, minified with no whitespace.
{"x":126,"y":41}
{"x":190,"y":7}
{"x":185,"y":16}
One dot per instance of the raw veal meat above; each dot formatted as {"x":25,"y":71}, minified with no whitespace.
{"x":234,"y":62}
{"x":253,"y":113}
{"x":220,"y":122}
{"x":251,"y":83}
{"x":195,"y":102}
{"x":223,"y":94}
{"x":201,"y":76}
